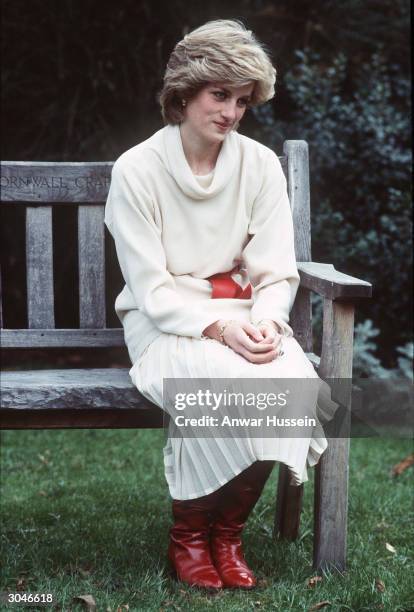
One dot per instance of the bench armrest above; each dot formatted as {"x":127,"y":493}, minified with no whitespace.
{"x":328,"y":282}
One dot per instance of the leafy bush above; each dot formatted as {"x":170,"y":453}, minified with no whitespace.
{"x":365,"y":361}
{"x":357,"y":123}
{"x":405,"y":362}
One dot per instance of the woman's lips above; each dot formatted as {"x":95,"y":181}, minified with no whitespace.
{"x":222,"y":126}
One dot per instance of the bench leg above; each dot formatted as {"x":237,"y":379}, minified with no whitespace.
{"x":331,"y":477}
{"x":331,"y":506}
{"x":288,"y":506}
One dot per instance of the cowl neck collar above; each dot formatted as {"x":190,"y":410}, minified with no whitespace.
{"x":177,"y":164}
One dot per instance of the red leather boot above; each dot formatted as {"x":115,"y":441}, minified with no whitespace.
{"x":189,"y":548}
{"x":238,"y":498}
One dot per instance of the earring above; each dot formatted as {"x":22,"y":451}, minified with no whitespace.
{"x":183,"y":102}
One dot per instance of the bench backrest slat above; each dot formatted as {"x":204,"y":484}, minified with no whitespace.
{"x":39,"y":266}
{"x":86,"y":184}
{"x":91,"y":250}
{"x":298,"y":189}
{"x":67,"y":338}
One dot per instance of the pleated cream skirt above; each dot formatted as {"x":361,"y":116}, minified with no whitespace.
{"x":197,"y":466}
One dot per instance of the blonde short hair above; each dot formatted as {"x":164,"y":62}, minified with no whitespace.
{"x":222,"y":51}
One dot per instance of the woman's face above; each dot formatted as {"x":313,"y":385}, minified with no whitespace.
{"x":216,"y":109}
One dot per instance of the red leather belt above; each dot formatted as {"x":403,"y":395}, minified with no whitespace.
{"x":224,"y":286}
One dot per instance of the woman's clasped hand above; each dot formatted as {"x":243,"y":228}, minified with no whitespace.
{"x":258,"y":344}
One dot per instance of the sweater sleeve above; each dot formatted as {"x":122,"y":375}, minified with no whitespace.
{"x":270,"y":253}
{"x":130,"y":218}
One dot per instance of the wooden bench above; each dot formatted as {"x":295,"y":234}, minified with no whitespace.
{"x":106,"y":398}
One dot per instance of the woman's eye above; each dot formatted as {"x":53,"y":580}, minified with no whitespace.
{"x":243,"y":102}
{"x":219,"y":94}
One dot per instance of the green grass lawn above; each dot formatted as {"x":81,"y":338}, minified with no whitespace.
{"x":88,"y":512}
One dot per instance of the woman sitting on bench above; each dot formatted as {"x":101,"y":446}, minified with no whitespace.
{"x":204,"y":236}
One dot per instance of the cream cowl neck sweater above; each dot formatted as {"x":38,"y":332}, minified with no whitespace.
{"x":173,"y":229}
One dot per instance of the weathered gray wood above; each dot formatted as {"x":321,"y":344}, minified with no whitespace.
{"x":288,"y":506}
{"x":59,"y":182}
{"x":62,"y":338}
{"x":331,"y":477}
{"x":74,"y":338}
{"x":300,"y":316}
{"x":288,"y":502}
{"x":296,"y":153}
{"x":299,"y":195}
{"x":89,"y":418}
{"x":91,"y":252}
{"x":70,"y":388}
{"x":289,"y":499}
{"x":337,"y":340}
{"x":39,"y":265}
{"x":328,"y":282}
{"x":55,"y":182}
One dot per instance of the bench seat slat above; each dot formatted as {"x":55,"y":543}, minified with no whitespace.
{"x":80,"y":389}
{"x":101,"y":388}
